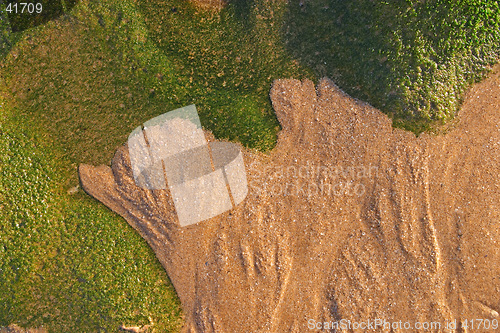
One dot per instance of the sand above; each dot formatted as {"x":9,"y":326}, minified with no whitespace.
{"x":347,"y":218}
{"x":210,"y":4}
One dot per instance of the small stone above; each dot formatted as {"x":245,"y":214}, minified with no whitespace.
{"x":73,"y":190}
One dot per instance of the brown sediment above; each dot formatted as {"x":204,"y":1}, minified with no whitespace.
{"x":210,"y":4}
{"x":347,"y":218}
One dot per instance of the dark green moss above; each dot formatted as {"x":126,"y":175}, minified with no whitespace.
{"x":228,"y":61}
{"x":68,"y":263}
{"x":411,"y":59}
{"x":25,"y":17}
{"x":5,"y":32}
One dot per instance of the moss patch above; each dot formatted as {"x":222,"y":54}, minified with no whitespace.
{"x":411,"y":59}
{"x":66,"y":262}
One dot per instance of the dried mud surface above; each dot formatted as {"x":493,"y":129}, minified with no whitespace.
{"x":414,"y":237}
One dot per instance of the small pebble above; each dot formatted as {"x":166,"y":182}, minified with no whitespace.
{"x":73,"y":190}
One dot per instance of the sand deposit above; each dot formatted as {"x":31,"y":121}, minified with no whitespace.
{"x":347,"y":218}
{"x":210,"y":4}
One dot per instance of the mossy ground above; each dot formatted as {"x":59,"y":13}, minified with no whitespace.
{"x":72,"y":91}
{"x":66,"y":262}
{"x":74,"y":88}
{"x":411,"y":59}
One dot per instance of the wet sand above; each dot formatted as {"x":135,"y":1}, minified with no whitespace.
{"x":347,"y":218}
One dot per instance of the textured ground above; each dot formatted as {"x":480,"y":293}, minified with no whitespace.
{"x":17,"y":329}
{"x":347,"y":218}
